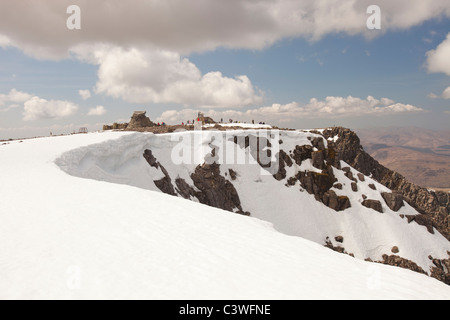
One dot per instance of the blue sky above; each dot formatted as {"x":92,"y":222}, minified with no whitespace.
{"x":281,"y":76}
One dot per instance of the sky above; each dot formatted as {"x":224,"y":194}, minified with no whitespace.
{"x":299,"y":64}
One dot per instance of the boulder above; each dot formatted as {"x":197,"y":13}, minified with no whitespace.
{"x":373,"y":204}
{"x":335,"y":202}
{"x":393,"y":200}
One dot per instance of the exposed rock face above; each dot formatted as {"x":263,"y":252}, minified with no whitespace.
{"x":139,"y":120}
{"x":232,"y":174}
{"x":302,"y":153}
{"x":393,"y":200}
{"x":337,"y":248}
{"x":435,"y":205}
{"x":318,"y":159}
{"x":319,"y":184}
{"x":215,"y":190}
{"x":335,"y":202}
{"x":212,"y":189}
{"x":441,"y":269}
{"x":373,"y":204}
{"x":284,"y":160}
{"x":423,"y":220}
{"x":164,"y":184}
{"x":394,"y":260}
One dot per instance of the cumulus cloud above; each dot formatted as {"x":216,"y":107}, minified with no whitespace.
{"x":141,"y":59}
{"x":160,"y":76}
{"x":84,"y":94}
{"x":14,"y":96}
{"x":39,"y":26}
{"x":37,"y":108}
{"x":438,"y":60}
{"x":97,"y":111}
{"x":331,"y":107}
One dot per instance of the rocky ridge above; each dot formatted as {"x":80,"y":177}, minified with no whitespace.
{"x":433,"y":205}
{"x":326,"y":154}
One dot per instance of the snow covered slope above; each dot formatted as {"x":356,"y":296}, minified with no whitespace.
{"x":69,"y":237}
{"x":362,"y":231}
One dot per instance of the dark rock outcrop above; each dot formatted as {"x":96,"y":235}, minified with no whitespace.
{"x":393,"y":200}
{"x":164,"y":184}
{"x":373,"y":204}
{"x":394,"y":260}
{"x":302,"y":153}
{"x":435,"y":205}
{"x":139,"y":120}
{"x":441,"y":269}
{"x":318,"y":159}
{"x":339,"y":249}
{"x":232,"y":173}
{"x":335,"y":202}
{"x":215,"y":190}
{"x":212,"y":189}
{"x":422,"y":220}
{"x":284,"y":160}
{"x":319,"y":184}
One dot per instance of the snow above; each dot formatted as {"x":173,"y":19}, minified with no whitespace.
{"x":68,"y":237}
{"x":367,"y":233}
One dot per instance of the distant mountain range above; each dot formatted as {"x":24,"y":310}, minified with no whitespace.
{"x":421,"y":155}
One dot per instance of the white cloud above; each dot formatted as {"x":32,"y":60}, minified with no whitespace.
{"x":97,"y":111}
{"x":10,"y":107}
{"x":14,"y":96}
{"x":198,"y":25}
{"x":37,"y":108}
{"x":445,"y":94}
{"x":159,"y":76}
{"x":84,"y":94}
{"x":438,"y":60}
{"x":331,"y":107}
{"x":4,"y":41}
